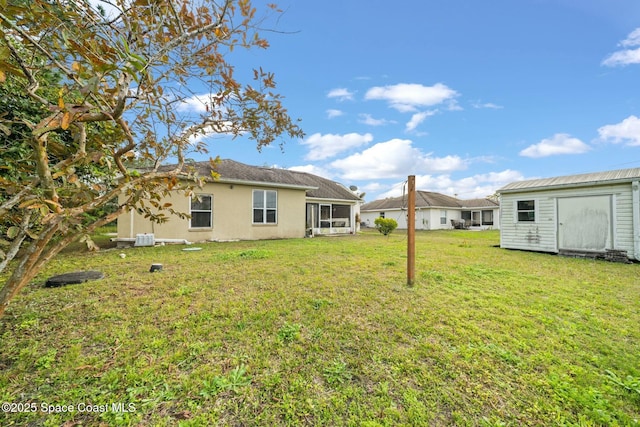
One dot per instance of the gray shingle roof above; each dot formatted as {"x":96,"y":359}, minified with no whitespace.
{"x":478,"y":203}
{"x":596,"y":178}
{"x":426,"y":199}
{"x":317,"y":187}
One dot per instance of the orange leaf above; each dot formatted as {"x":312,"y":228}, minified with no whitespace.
{"x":66,"y":119}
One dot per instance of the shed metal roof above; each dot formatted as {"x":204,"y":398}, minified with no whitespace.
{"x":585,"y":179}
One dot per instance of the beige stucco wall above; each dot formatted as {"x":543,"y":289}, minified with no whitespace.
{"x":232,"y":216}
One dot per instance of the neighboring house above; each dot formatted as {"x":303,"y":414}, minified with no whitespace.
{"x":586,"y":213}
{"x":434,"y":211}
{"x":251,"y":203}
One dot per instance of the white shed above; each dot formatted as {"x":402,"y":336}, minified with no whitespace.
{"x":588,"y":214}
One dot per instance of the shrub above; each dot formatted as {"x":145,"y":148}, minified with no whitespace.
{"x":386,"y":225}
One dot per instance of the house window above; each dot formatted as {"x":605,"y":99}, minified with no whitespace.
{"x":443,"y":217}
{"x":487,"y":217}
{"x":381,"y":214}
{"x":526,"y":210}
{"x":201,"y":211}
{"x":265,"y":206}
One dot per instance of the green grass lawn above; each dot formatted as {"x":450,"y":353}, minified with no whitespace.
{"x":325,"y":331}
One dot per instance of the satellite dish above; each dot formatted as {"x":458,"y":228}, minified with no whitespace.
{"x":353,"y":188}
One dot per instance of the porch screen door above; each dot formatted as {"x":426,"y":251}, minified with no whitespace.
{"x":325,"y":216}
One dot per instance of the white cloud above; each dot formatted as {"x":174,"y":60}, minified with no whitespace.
{"x":373,"y":187}
{"x":483,"y":185}
{"x":623,"y":57}
{"x":452,"y":105}
{"x":196,"y":103}
{"x":418,"y":118}
{"x":341,"y":93}
{"x":627,"y":131}
{"x":409,"y":97}
{"x":560,"y":143}
{"x":472,"y":187}
{"x":633,"y":39}
{"x":332,"y":113}
{"x":626,"y":56}
{"x":325,"y":146}
{"x":490,"y":105}
{"x":367,"y":119}
{"x":313,"y":170}
{"x":394,"y":159}
{"x":225,"y":128}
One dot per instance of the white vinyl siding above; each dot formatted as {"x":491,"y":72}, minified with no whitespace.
{"x":542,"y":235}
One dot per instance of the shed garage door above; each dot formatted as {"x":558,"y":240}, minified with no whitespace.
{"x":584,"y":223}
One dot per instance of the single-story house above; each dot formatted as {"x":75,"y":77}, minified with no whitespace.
{"x":434,"y":211}
{"x":250,"y":203}
{"x":588,"y":213}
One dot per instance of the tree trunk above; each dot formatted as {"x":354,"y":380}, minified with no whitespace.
{"x":27,"y":268}
{"x":16,"y":244}
{"x":39,"y":252}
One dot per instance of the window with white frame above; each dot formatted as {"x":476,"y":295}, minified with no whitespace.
{"x":526,"y":210}
{"x":201,"y":211}
{"x":443,"y":217}
{"x":265,"y":206}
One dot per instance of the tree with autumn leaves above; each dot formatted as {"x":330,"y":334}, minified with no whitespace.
{"x":90,"y":88}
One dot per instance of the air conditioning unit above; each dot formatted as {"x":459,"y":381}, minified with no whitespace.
{"x":145,"y":240}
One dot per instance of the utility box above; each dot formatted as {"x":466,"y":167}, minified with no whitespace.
{"x":145,"y":240}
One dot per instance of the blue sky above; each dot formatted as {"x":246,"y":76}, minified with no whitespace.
{"x":466,"y":95}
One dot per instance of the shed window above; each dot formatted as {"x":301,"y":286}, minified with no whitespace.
{"x":265,"y":206}
{"x":526,"y":210}
{"x":201,"y":211}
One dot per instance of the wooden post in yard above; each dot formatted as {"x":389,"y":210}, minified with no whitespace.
{"x":411,"y":230}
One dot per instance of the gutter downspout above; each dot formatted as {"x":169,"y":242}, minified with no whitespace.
{"x":131,"y":218}
{"x":635,"y":197}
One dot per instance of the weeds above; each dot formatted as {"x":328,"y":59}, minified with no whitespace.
{"x":629,"y":383}
{"x":234,"y":381}
{"x":324,"y":332}
{"x":289,"y":332}
{"x":336,"y":373}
